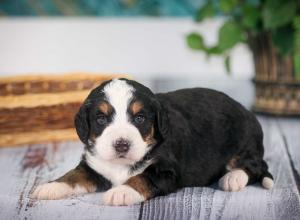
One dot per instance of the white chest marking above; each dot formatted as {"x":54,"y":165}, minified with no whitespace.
{"x":116,"y":173}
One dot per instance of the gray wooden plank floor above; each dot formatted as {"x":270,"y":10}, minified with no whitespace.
{"x":25,"y":167}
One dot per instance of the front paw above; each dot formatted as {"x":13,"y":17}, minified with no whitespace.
{"x":53,"y":190}
{"x":122,"y":195}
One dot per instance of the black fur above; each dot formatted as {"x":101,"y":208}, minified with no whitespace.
{"x":206,"y":129}
{"x":198,"y":131}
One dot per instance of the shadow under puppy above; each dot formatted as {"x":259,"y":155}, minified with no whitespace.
{"x":139,"y":145}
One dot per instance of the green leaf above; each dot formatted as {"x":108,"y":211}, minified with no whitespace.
{"x":277,"y":13}
{"x":229,"y":35}
{"x":297,"y":47}
{"x":195,"y":41}
{"x":215,"y":50}
{"x":251,"y":16}
{"x":205,"y":11}
{"x":228,"y":5}
{"x":283,"y":39}
{"x":227,"y":63}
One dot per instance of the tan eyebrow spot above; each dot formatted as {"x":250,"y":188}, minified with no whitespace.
{"x":105,"y":108}
{"x":136,"y":107}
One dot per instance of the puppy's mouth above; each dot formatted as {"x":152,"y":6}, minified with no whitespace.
{"x":122,"y":159}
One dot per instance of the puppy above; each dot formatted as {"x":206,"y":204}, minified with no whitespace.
{"x":139,"y":145}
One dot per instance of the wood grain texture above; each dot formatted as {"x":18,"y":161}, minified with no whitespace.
{"x":290,"y":131}
{"x":254,"y":202}
{"x":24,"y":168}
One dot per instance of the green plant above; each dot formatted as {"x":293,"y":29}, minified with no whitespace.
{"x":246,"y":19}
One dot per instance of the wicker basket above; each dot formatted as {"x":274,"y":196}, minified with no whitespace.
{"x":36,"y":109}
{"x":277,"y":90}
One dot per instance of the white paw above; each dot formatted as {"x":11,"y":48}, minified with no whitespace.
{"x":267,"y":183}
{"x":54,"y":190}
{"x":234,"y":180}
{"x":122,"y":195}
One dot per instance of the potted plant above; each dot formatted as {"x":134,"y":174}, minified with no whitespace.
{"x":271,"y":29}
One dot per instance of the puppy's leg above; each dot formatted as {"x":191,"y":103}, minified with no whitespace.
{"x":246,"y":170}
{"x":77,"y":181}
{"x":152,"y":182}
{"x":136,"y":189}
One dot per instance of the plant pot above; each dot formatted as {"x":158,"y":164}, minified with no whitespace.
{"x":277,"y":90}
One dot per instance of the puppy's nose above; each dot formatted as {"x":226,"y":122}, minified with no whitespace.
{"x":122,"y":145}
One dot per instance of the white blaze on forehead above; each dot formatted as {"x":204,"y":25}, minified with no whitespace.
{"x":119,"y":94}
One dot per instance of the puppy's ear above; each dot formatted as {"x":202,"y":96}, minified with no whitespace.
{"x":82,"y":123}
{"x":162,"y":119}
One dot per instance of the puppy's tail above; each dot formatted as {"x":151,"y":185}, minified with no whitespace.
{"x":267,"y":180}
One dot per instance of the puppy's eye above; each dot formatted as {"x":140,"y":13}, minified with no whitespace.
{"x":102,"y":120}
{"x":139,"y":119}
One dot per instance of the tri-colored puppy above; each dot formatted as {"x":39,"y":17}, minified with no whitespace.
{"x":140,"y":145}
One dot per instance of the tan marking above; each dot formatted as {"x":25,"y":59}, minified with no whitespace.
{"x":232,"y":164}
{"x":93,"y":137}
{"x":105,"y":108}
{"x":78,"y":177}
{"x":149,"y":139}
{"x":139,"y":183}
{"x":74,"y":182}
{"x":136,"y":107}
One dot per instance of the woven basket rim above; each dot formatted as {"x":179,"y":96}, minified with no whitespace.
{"x":63,"y":77}
{"x":277,"y":82}
{"x":274,"y":113}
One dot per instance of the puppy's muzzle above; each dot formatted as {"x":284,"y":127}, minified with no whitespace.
{"x":122,"y":146}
